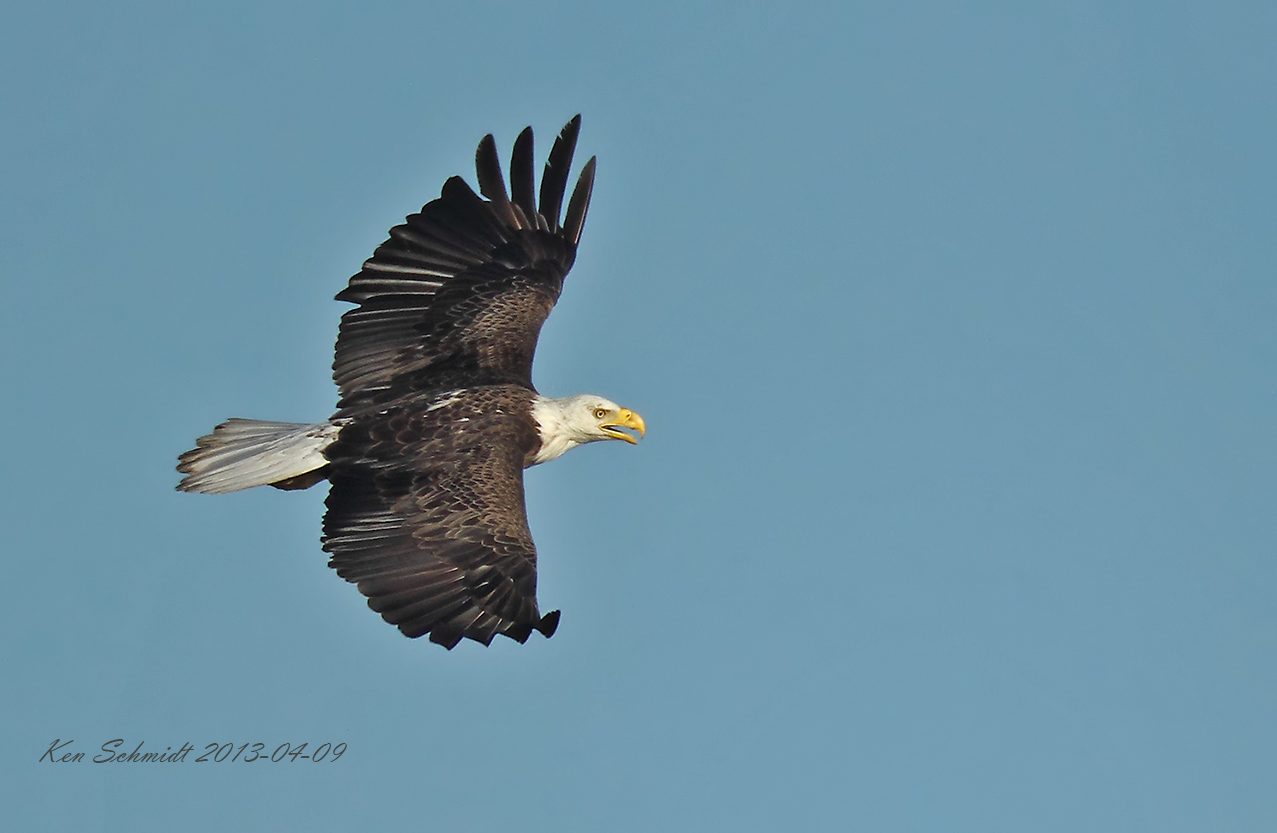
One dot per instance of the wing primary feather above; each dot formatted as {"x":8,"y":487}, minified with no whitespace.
{"x":579,"y":205}
{"x":554,"y":180}
{"x":524,"y":220}
{"x":518,"y":632}
{"x":522,"y":177}
{"x":492,"y":181}
{"x":549,"y":624}
{"x":484,"y":628}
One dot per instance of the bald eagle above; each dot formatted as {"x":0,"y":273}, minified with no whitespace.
{"x":437,"y":416}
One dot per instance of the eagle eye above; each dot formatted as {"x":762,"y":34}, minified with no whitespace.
{"x":599,"y":413}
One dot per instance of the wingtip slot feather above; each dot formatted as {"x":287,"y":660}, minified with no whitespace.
{"x":549,"y":624}
{"x":579,"y":205}
{"x":554,"y":180}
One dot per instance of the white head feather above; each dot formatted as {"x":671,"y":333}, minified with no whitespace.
{"x":574,"y":420}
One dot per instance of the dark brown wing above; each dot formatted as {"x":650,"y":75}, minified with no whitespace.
{"x":426,"y":515}
{"x":458,"y":293}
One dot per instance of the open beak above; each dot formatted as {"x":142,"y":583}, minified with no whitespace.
{"x":626,"y":419}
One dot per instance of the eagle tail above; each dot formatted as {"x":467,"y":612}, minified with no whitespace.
{"x":242,"y":453}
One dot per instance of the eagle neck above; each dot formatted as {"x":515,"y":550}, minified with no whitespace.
{"x":558,"y":437}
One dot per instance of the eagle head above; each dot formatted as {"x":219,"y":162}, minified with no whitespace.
{"x":566,"y":423}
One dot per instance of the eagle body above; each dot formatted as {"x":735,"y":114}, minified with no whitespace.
{"x":437,"y":415}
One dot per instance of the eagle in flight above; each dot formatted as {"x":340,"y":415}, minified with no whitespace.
{"x":437,"y":416}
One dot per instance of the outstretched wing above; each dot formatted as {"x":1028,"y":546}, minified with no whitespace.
{"x":426,"y":515}
{"x":458,"y":293}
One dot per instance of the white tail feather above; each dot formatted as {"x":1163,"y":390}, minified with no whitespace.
{"x":242,"y":453}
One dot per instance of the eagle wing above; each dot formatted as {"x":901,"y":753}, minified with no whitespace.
{"x":426,"y":516}
{"x":457,"y":295}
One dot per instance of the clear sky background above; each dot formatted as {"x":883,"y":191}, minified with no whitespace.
{"x":953,"y":325}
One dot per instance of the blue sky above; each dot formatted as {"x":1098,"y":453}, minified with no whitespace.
{"x":952,"y":325}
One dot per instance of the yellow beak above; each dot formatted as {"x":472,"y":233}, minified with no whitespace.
{"x":625,"y":419}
